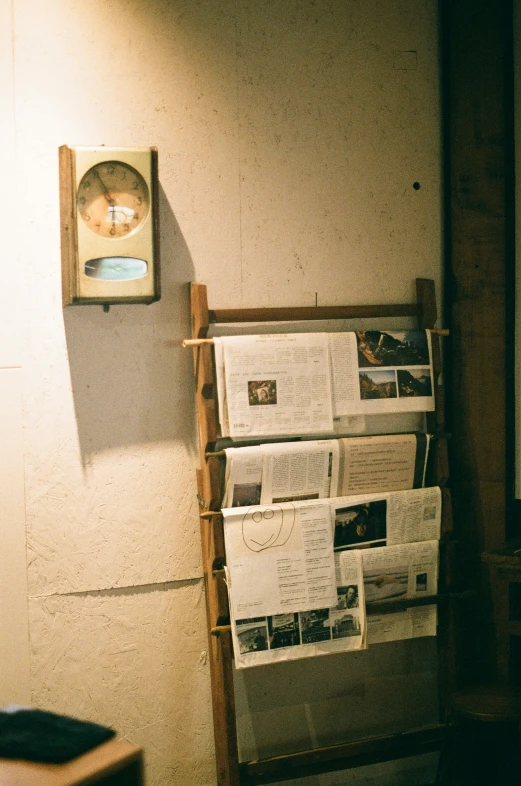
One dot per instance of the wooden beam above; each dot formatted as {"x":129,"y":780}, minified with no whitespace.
{"x":341,"y":757}
{"x":306,"y":313}
{"x":477,"y":41}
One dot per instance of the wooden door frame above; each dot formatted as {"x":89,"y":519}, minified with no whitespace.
{"x":477,"y":80}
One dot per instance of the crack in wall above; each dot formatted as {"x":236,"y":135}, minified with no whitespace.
{"x":161,"y":586}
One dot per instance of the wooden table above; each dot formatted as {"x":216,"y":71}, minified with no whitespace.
{"x":115,"y":763}
{"x":485,"y":736}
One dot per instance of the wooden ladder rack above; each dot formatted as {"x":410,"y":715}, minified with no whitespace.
{"x":231,"y":772}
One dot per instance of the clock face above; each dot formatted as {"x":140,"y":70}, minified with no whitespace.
{"x":113,"y":199}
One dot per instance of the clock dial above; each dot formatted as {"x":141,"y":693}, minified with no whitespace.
{"x":113,"y":199}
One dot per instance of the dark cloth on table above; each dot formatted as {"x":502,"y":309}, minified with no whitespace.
{"x":37,"y":735}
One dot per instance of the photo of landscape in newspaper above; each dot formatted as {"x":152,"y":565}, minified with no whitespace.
{"x":378,"y":384}
{"x":404,"y":570}
{"x":414,"y":382}
{"x":380,"y":358}
{"x":378,"y":348}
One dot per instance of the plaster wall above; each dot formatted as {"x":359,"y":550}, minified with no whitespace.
{"x":14,"y":632}
{"x":289,"y":135}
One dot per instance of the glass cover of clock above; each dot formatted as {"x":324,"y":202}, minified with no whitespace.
{"x":113,"y":199}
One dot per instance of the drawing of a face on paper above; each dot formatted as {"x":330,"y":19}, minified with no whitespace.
{"x":268,"y":526}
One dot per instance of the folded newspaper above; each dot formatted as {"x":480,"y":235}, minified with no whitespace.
{"x":288,"y":599}
{"x":275,"y":384}
{"x":391,"y":573}
{"x":317,"y":469}
{"x":298,"y":572}
{"x":298,"y":383}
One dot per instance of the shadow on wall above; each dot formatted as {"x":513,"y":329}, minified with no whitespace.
{"x":131,"y":379}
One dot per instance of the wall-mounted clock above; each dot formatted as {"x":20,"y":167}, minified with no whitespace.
{"x":109,"y":225}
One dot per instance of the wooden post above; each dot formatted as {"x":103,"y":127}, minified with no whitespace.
{"x":438,"y":475}
{"x":212,"y":545}
{"x":479,"y":229}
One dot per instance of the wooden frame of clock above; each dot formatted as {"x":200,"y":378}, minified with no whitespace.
{"x":109,"y":225}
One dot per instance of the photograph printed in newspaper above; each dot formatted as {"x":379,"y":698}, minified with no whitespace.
{"x":385,"y":519}
{"x":376,"y":371}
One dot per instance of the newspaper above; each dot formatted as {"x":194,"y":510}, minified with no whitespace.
{"x":278,"y":384}
{"x":409,"y":570}
{"x":292,"y":585}
{"x":377,"y":371}
{"x":280,"y":472}
{"x":347,"y":424}
{"x":368,"y":372}
{"x":299,"y":471}
{"x":279,"y":558}
{"x":317,"y":469}
{"x":412,"y":623}
{"x":393,"y":462}
{"x":243,"y":477}
{"x":222,"y":401}
{"x":387,"y":518}
{"x":397,"y":572}
{"x":307,"y":631}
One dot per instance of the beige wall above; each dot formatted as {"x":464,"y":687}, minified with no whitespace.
{"x":290,"y":135}
{"x":14,"y":635}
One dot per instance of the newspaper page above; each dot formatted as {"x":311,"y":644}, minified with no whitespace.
{"x":409,"y":570}
{"x":222,"y":403}
{"x":392,"y":462}
{"x":412,"y":623}
{"x":394,"y":572}
{"x":279,"y":558}
{"x":280,"y":472}
{"x":347,"y":424}
{"x":243,"y":477}
{"x":308,"y":632}
{"x":295,"y":471}
{"x":317,"y":469}
{"x":385,"y":519}
{"x":376,"y":371}
{"x":278,"y":384}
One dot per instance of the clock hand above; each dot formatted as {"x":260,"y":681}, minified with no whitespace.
{"x":106,"y":193}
